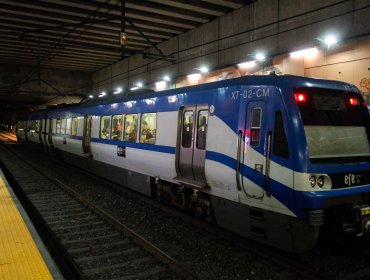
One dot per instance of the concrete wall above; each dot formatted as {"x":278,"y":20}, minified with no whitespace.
{"x":349,"y":62}
{"x":51,"y":85}
{"x":275,"y":27}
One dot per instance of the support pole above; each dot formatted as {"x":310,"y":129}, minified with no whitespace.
{"x":123,"y":35}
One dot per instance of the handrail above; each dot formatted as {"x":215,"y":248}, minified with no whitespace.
{"x":238,"y":163}
{"x":267,"y":169}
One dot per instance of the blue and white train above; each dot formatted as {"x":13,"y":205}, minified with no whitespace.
{"x":271,"y":158}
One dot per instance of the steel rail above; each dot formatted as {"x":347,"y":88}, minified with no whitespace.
{"x":146,"y":245}
{"x":66,"y":265}
{"x":281,"y":258}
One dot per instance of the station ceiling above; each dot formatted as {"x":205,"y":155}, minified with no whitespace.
{"x":84,"y":34}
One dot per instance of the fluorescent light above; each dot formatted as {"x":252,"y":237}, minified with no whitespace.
{"x":118,"y":90}
{"x":161,"y":85}
{"x":139,"y":84}
{"x":248,"y":64}
{"x":304,"y":53}
{"x":260,"y":56}
{"x":194,"y":77}
{"x":102,"y":94}
{"x":330,"y":40}
{"x":91,"y":96}
{"x":134,"y":88}
{"x":204,"y":69}
{"x":167,"y":78}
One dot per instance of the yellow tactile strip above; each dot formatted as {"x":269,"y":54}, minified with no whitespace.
{"x":19,"y":255}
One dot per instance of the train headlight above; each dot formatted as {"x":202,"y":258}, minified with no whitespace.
{"x":321,"y":181}
{"x":312,"y":181}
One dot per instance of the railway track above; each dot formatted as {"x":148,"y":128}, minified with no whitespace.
{"x":7,"y":137}
{"x":321,"y":263}
{"x":96,"y":245}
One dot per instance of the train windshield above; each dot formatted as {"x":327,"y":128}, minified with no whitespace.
{"x":335,"y":123}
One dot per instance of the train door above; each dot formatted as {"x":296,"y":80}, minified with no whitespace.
{"x":86,"y":139}
{"x":254,"y":166}
{"x":265,"y":150}
{"x":45,"y":132}
{"x":26,"y":127}
{"x":50,"y":132}
{"x":191,"y":152}
{"x":41,"y":131}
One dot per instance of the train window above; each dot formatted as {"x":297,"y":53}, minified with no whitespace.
{"x":53,"y":126}
{"x":116,"y":133}
{"x":33,"y":126}
{"x":68,"y":126}
{"x":63,"y":127}
{"x":74,"y":126}
{"x":148,"y":128}
{"x":280,"y":147}
{"x":187,"y":129}
{"x":20,"y":125}
{"x":130,"y":127}
{"x":335,"y":125}
{"x":104,"y":127}
{"x":202,"y":129}
{"x":59,"y":124}
{"x":256,"y":127}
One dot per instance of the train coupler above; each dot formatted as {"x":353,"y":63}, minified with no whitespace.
{"x":360,"y":225}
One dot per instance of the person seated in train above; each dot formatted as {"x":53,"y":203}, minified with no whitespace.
{"x":128,"y":130}
{"x":128,"y":127}
{"x":119,"y":127}
{"x":105,"y":133}
{"x":132,"y":134}
{"x":116,"y":131}
{"x":146,"y":134}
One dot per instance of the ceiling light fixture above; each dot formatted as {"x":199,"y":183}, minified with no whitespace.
{"x":248,"y":64}
{"x":311,"y":52}
{"x":260,"y":57}
{"x":117,"y":91}
{"x":330,"y":40}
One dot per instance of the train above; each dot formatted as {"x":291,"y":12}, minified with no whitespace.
{"x":272,"y":158}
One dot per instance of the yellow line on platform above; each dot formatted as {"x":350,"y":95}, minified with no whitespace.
{"x":19,"y":256}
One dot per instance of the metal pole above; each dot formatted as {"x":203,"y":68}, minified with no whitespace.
{"x":123,"y":35}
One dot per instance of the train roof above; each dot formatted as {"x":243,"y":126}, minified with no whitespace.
{"x":271,"y":79}
{"x":268,"y":80}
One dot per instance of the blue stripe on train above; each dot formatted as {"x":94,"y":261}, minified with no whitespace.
{"x":285,"y":194}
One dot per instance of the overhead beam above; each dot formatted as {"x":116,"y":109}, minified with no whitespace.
{"x":153,"y":30}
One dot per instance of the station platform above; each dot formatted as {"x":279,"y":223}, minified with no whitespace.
{"x":22,"y":253}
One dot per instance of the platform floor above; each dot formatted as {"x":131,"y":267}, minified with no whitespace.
{"x":22,"y":254}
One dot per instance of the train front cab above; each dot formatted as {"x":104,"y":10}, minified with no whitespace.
{"x":21,"y":128}
{"x":265,"y":171}
{"x":30,"y":129}
{"x":302,"y":160}
{"x":332,"y":180}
